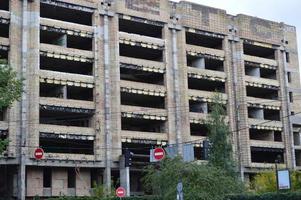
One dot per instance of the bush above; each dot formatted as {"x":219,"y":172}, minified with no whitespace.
{"x":268,"y":196}
{"x":114,"y":198}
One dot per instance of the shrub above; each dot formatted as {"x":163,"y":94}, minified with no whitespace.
{"x":267,"y":196}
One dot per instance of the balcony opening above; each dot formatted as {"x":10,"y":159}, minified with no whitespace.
{"x":3,"y":55}
{"x":289,"y":77}
{"x":265,"y":135}
{"x":4,"y":30}
{"x":67,"y":66}
{"x":143,"y":125}
{"x":198,"y":130}
{"x":141,"y":100}
{"x":298,"y":157}
{"x":47,"y":177}
{"x":198,"y":107}
{"x":80,"y":93}
{"x":255,"y":113}
{"x":264,"y":93}
{"x":66,"y":92}
{"x":141,"y":52}
{"x":206,"y":85}
{"x":287,"y":57}
{"x":3,"y":114}
{"x":198,"y":155}
{"x":51,"y":90}
{"x":204,"y":41}
{"x":271,"y":114}
{"x":65,"y":14}
{"x":71,"y":177}
{"x":4,"y":5}
{"x":263,"y":52}
{"x":77,"y":42}
{"x":140,"y":28}
{"x":55,"y":38}
{"x":277,"y":136}
{"x":297,"y":134}
{"x":268,"y":73}
{"x":266,"y":155}
{"x":141,"y":76}
{"x":61,"y":145}
{"x":65,"y":116}
{"x":205,"y":63}
{"x":96,"y":177}
{"x":291,"y":97}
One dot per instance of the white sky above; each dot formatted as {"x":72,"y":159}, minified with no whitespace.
{"x":287,"y":11}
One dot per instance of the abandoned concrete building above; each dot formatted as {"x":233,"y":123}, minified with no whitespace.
{"x":102,"y":76}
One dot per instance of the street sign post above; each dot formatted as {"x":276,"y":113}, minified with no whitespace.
{"x":159,"y":154}
{"x":38,"y":153}
{"x":120,"y":192}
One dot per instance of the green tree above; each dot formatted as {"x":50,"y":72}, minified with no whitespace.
{"x":10,"y":90}
{"x":266,"y":182}
{"x":200,"y":181}
{"x":220,"y":150}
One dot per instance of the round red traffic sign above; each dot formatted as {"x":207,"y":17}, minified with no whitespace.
{"x":39,"y":153}
{"x":159,"y":154}
{"x":120,"y":192}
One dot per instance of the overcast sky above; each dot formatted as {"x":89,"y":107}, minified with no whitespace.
{"x":287,"y":11}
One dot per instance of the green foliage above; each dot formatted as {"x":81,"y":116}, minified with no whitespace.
{"x":266,"y":182}
{"x":112,"y":198}
{"x":200,"y":182}
{"x":268,"y":196}
{"x":99,"y":191}
{"x":219,"y":136}
{"x":3,"y":145}
{"x":10,"y":85}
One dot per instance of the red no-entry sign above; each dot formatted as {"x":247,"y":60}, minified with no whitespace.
{"x":159,"y":154}
{"x":39,"y":153}
{"x":120,"y":192}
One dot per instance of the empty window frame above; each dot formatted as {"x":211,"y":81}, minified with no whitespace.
{"x":67,"y":146}
{"x":204,"y":41}
{"x":259,"y":72}
{"x":65,"y":118}
{"x":142,"y":100}
{"x":4,"y":30}
{"x":141,"y":76}
{"x":267,"y":155}
{"x":198,"y":130}
{"x":256,"y":113}
{"x":298,"y":157}
{"x":206,"y":85}
{"x":71,"y":177}
{"x":67,"y":92}
{"x":64,"y":40}
{"x":68,"y":66}
{"x":264,"y":93}
{"x":144,"y":125}
{"x":3,"y":112}
{"x":3,"y":55}
{"x":198,"y":107}
{"x":263,"y":52}
{"x":289,"y":77}
{"x":47,"y":177}
{"x":291,"y":97}
{"x":4,"y":5}
{"x":287,"y":57}
{"x":141,"y":52}
{"x":205,"y":63}
{"x":65,"y":14}
{"x":147,"y":29}
{"x":265,"y":135}
{"x":271,"y":114}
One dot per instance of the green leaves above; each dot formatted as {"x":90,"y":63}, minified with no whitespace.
{"x":200,"y":181}
{"x":219,"y":136}
{"x":10,"y":85}
{"x":3,"y":145}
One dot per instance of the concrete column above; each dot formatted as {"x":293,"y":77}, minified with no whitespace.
{"x":255,"y":72}
{"x":285,"y":111}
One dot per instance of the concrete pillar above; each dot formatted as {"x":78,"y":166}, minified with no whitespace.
{"x":255,"y":72}
{"x":285,"y":111}
{"x":199,"y":63}
{"x":62,"y":41}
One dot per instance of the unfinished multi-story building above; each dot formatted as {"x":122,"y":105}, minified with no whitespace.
{"x":102,"y":76}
